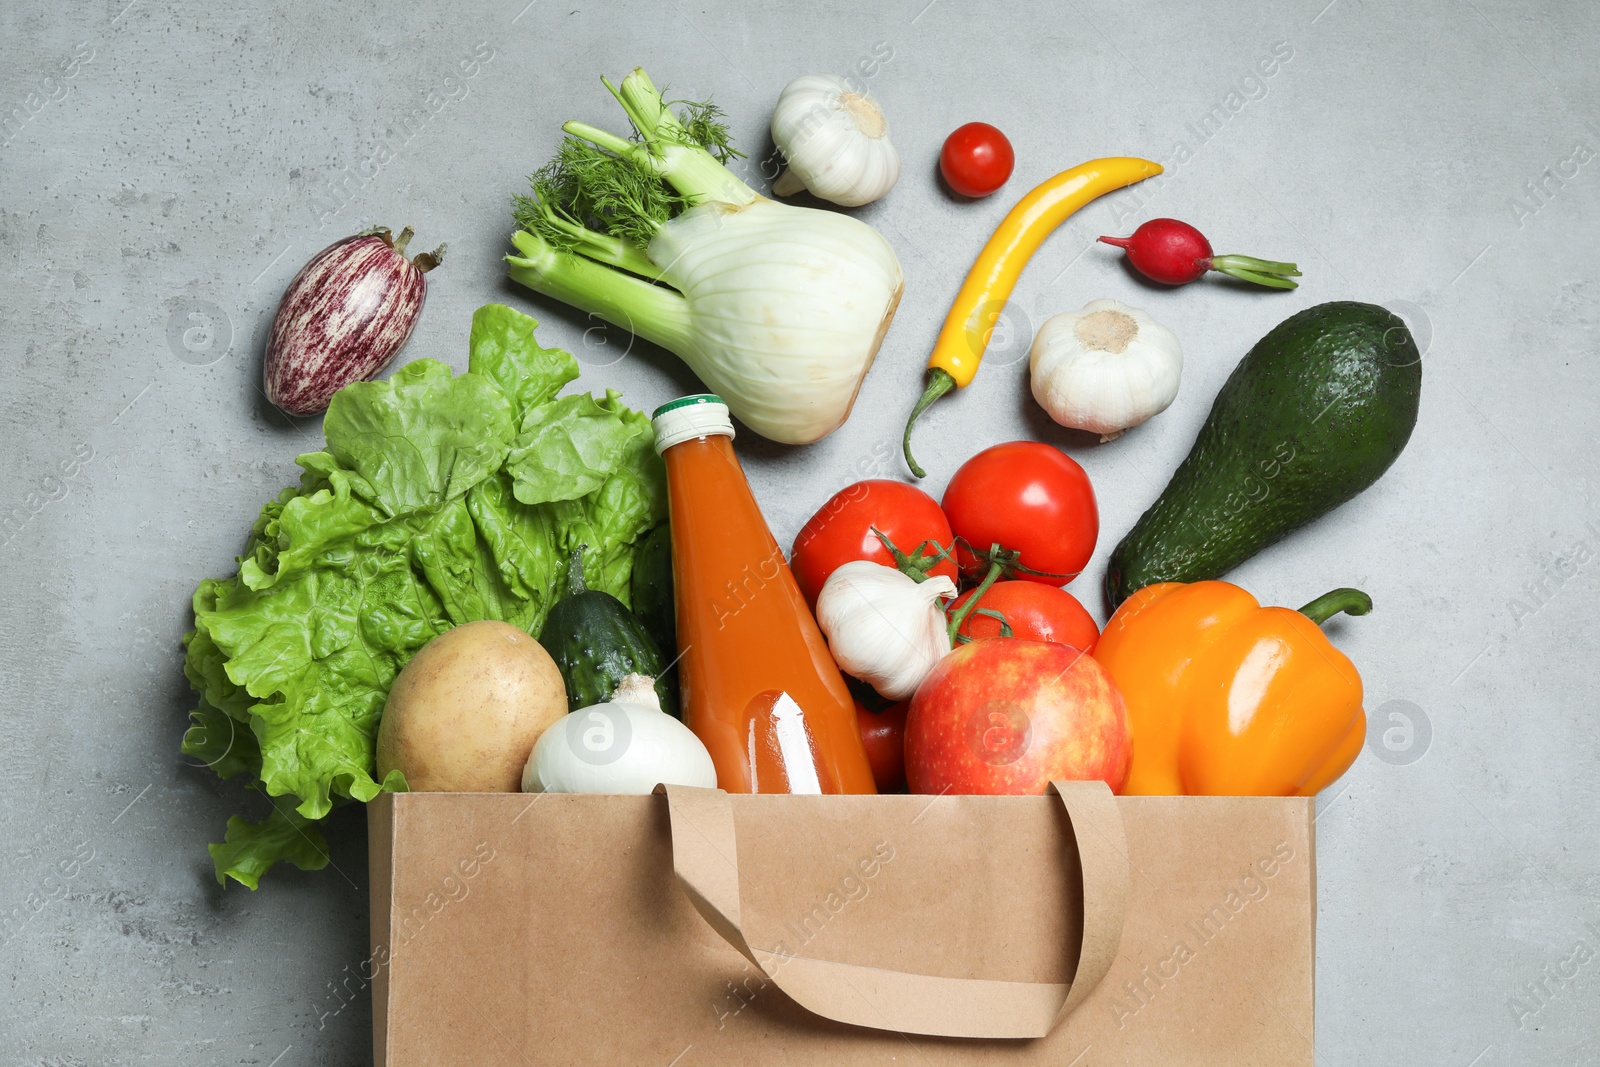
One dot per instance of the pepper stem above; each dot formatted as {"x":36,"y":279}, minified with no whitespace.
{"x":940,"y":382}
{"x":1260,"y":271}
{"x":1326,"y":606}
{"x":996,"y":569}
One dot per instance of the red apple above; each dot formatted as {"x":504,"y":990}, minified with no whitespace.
{"x":1009,"y":715}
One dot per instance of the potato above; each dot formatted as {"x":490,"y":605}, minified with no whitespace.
{"x":465,"y":712}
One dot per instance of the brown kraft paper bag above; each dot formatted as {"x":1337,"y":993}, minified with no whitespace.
{"x":696,"y":928}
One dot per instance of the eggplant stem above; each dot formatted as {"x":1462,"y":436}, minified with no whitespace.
{"x":426,"y":261}
{"x":403,"y":240}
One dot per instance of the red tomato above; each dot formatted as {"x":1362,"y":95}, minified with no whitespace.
{"x":976,"y":159}
{"x":841,"y":531}
{"x":1034,"y":612}
{"x":1030,"y":498}
{"x":883,"y":734}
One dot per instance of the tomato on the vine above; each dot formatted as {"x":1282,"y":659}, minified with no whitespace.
{"x":976,"y":159}
{"x":883,"y":735}
{"x":842,"y":530}
{"x":1034,"y":612}
{"x":1030,"y":499}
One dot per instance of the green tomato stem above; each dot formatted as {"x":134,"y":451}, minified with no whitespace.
{"x":919,"y":561}
{"x":1005,"y":627}
{"x":1326,"y":606}
{"x":996,"y":569}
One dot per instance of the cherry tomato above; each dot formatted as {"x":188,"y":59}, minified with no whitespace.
{"x":1033,"y":611}
{"x":1030,"y":498}
{"x":841,"y":531}
{"x":883,"y":734}
{"x":976,"y":159}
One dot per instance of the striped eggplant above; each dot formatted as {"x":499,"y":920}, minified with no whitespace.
{"x":344,"y":317}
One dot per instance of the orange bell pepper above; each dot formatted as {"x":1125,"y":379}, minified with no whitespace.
{"x":1229,"y":698}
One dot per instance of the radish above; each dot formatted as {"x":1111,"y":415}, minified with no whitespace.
{"x":1175,"y":253}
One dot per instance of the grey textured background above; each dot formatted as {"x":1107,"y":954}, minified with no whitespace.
{"x":193,"y":160}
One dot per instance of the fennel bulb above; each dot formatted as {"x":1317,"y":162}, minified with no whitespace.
{"x":779,"y":309}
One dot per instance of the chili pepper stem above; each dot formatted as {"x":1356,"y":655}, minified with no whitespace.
{"x":1326,"y":606}
{"x":940,"y":382}
{"x":996,"y":569}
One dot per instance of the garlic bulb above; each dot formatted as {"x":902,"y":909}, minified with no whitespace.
{"x":1104,"y":369}
{"x":883,"y":626}
{"x":836,"y":142}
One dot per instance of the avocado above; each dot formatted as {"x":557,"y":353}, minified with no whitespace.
{"x":1316,"y":411}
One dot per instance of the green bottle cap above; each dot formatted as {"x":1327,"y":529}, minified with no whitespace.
{"x":685,"y":401}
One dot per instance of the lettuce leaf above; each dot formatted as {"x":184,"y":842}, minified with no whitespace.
{"x":503,"y":350}
{"x":421,"y":438}
{"x":440,"y":499}
{"x":251,"y":848}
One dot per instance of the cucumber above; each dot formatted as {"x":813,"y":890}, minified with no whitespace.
{"x":1315,"y":413}
{"x":652,"y":588}
{"x":596,"y":641}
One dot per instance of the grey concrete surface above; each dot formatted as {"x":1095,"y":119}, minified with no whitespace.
{"x":164,"y":158}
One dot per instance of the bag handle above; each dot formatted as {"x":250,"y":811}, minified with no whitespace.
{"x":705,"y":859}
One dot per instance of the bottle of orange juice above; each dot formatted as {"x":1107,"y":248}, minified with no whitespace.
{"x":760,"y":688}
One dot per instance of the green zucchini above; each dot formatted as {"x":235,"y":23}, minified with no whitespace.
{"x":596,"y":641}
{"x":1315,"y":413}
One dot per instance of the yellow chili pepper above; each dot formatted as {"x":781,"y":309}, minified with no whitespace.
{"x":983,"y":295}
{"x":1229,"y":698}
